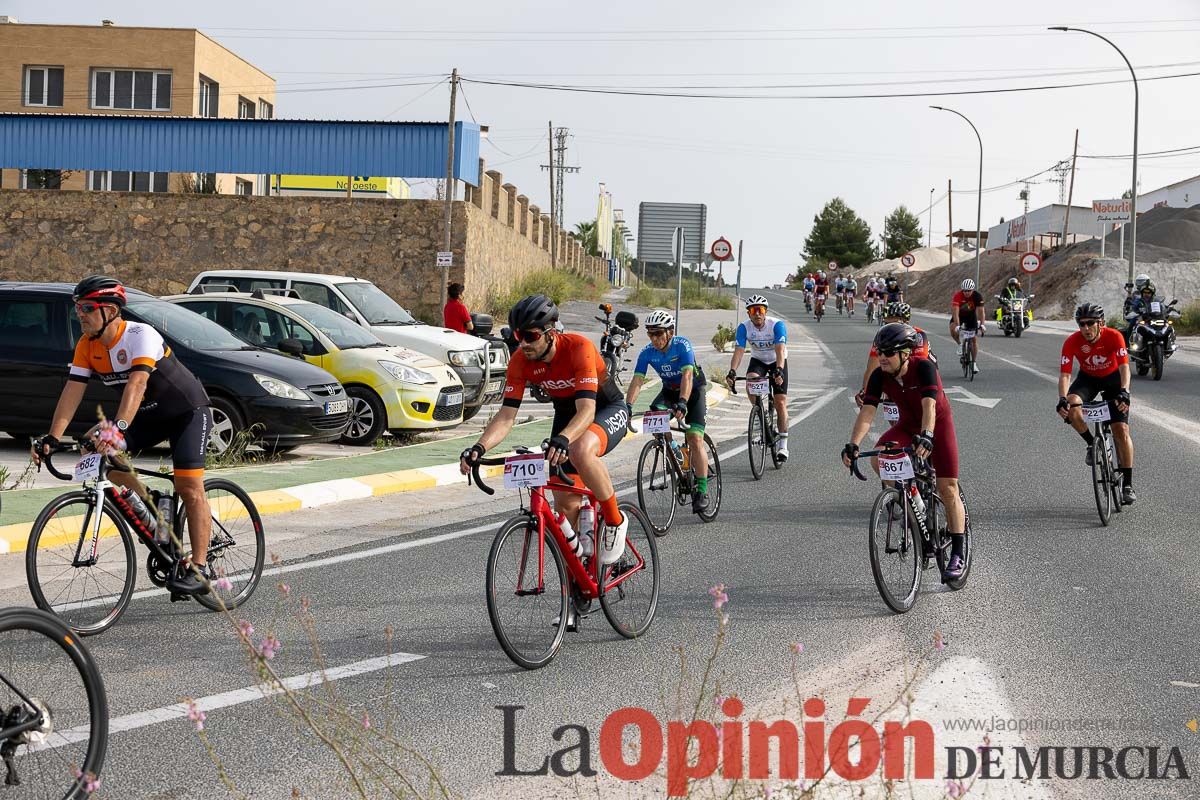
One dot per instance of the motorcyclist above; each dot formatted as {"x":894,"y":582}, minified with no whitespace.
{"x":1139,"y":304}
{"x":1133,"y":290}
{"x":1012,"y":291}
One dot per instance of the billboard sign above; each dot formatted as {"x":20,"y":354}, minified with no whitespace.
{"x":1112,"y":210}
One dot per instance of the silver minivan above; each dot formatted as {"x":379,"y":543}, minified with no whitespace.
{"x":480,"y":366}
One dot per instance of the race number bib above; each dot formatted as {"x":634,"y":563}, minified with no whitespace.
{"x":896,"y":469}
{"x":525,"y":471}
{"x":1096,"y":412}
{"x":966,"y":334}
{"x":891,"y":411}
{"x":1156,"y":307}
{"x":758,"y":386}
{"x":656,"y":422}
{"x":88,"y":467}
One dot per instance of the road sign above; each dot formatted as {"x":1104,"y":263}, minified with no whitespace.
{"x":832,"y":265}
{"x":445,"y":258}
{"x":908,"y":259}
{"x":721,"y":249}
{"x":1031,"y":263}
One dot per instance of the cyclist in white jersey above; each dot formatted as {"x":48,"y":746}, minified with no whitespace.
{"x":766,"y":337}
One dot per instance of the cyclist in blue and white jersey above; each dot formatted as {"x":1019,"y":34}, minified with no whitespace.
{"x":683,"y":391}
{"x":766,"y":337}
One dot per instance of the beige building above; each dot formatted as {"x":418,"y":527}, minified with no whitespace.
{"x":110,"y":69}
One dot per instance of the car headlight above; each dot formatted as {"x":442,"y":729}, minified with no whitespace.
{"x":464,"y":358}
{"x":280,"y":388}
{"x":407,"y":374}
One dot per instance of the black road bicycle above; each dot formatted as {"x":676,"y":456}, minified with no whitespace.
{"x":80,"y":560}
{"x":762,"y":434}
{"x":965,"y":356}
{"x":53,"y":710}
{"x":908,"y":528}
{"x":666,"y":479}
{"x":1106,"y":480}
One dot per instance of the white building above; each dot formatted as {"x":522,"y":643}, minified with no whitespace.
{"x":1183,"y":194}
{"x":1042,"y":228}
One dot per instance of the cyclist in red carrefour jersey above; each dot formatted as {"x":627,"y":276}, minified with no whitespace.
{"x":1104,"y":370}
{"x":821,"y":291}
{"x":590,"y":415}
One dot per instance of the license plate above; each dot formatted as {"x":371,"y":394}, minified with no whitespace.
{"x":895,"y":468}
{"x":525,"y":471}
{"x":337,"y":406}
{"x":454,"y":399}
{"x":493,"y":386}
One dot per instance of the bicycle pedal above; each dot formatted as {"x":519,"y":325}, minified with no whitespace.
{"x":176,"y":597}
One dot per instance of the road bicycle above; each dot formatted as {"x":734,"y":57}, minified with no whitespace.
{"x":965,"y":355}
{"x":666,"y":478}
{"x":840,"y":301}
{"x":1106,"y":480}
{"x":80,"y":557}
{"x":530,"y":598}
{"x":762,"y":434}
{"x":53,"y":709}
{"x":870,"y":309}
{"x":907,"y":527}
{"x":819,"y":307}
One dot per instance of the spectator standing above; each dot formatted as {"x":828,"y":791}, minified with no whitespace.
{"x":455,"y":315}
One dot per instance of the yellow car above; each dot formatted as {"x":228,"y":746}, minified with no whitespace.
{"x":388,"y":387}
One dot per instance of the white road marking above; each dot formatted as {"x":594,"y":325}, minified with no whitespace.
{"x":1186,"y":684}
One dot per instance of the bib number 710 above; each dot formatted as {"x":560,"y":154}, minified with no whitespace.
{"x":525,"y":471}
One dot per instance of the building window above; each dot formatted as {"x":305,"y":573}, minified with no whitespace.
{"x":210,"y":97}
{"x":244,"y":187}
{"x":44,"y":86}
{"x":245,"y":108}
{"x":128,"y":181}
{"x":265,"y":109}
{"x":262,"y":185}
{"x":143,"y":90}
{"x":206,"y":183}
{"x":41,"y":179}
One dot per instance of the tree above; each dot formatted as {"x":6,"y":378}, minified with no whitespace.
{"x":901,"y":233}
{"x":838,"y":234}
{"x":585,"y":234}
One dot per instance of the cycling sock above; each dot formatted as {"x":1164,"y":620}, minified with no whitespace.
{"x":1127,"y":473}
{"x":610,"y":512}
{"x":957,"y":542}
{"x":1087,"y":437}
{"x":702,"y":485}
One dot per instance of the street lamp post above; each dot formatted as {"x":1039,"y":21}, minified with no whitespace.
{"x":979,"y":203}
{"x":1133,"y":190}
{"x":929,"y":236}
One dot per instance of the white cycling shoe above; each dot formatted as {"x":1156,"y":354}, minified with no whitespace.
{"x":612,"y":541}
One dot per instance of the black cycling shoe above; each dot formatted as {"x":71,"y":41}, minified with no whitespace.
{"x":699,"y":502}
{"x":183,"y":580}
{"x":1090,"y":458}
{"x":1128,"y":496}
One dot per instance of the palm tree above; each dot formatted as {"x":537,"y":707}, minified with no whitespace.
{"x":585,"y":234}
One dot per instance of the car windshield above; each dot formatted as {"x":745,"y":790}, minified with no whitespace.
{"x":374,"y":305}
{"x":344,"y":333}
{"x":185,"y":327}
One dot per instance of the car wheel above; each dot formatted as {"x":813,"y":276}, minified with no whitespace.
{"x":227,"y":423}
{"x":368,"y":417}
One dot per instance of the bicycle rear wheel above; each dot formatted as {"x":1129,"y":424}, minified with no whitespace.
{"x":529,"y":617}
{"x":88,"y":597}
{"x":237,"y":547}
{"x":1115,"y":479}
{"x":1100,"y":479}
{"x":943,"y":553}
{"x":895,"y":549}
{"x":46,"y":671}
{"x":714,"y":481}
{"x":756,"y":437}
{"x":773,"y":433}
{"x":656,"y":485}
{"x":629,"y":596}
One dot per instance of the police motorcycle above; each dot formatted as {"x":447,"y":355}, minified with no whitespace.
{"x":1152,"y":340}
{"x":1014,"y":314}
{"x":616,"y":339}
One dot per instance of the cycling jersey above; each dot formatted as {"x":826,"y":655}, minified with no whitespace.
{"x":920,"y":381}
{"x":171,"y":390}
{"x":809,"y":285}
{"x":1098,"y":359}
{"x":822,"y":287}
{"x":576,"y":372}
{"x":671,"y":364}
{"x":762,"y":340}
{"x":967,"y":302}
{"x":893,"y":296}
{"x":921,"y":351}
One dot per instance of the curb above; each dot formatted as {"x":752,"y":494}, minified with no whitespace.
{"x":14,"y":537}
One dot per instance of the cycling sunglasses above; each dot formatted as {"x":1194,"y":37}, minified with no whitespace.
{"x":654,"y":333}
{"x":1087,"y":323}
{"x":529,"y":337}
{"x":86,"y":308}
{"x":750,"y":309}
{"x":890,"y":353}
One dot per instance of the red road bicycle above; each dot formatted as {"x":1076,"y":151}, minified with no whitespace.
{"x":534,"y":579}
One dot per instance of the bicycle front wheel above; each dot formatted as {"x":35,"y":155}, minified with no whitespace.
{"x":629,"y":588}
{"x":773,"y":434}
{"x":1115,"y":480}
{"x":714,"y":481}
{"x":89,"y":593}
{"x":526,"y":593}
{"x":894,"y":544}
{"x":756,"y":437}
{"x":1101,"y":478}
{"x":656,"y":486}
{"x":236,"y":548}
{"x":47,"y":676}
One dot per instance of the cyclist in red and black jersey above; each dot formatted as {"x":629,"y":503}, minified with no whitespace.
{"x":1104,"y":370}
{"x":966,"y":311}
{"x":590,"y":415}
{"x":170,"y":404}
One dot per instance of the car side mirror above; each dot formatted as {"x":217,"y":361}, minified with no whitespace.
{"x":293,"y":347}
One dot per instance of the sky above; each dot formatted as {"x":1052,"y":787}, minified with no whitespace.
{"x":764,"y":166}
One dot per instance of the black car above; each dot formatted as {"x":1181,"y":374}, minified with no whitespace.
{"x":294,"y":402}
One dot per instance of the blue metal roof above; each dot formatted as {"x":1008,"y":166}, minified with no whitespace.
{"x":253,"y":146}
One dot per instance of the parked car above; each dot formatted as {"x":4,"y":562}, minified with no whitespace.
{"x":389,"y":387}
{"x":295,"y":403}
{"x":480,"y":365}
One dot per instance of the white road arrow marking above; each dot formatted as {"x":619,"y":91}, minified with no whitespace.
{"x":970,"y":397}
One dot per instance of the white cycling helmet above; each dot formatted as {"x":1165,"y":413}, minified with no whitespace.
{"x":659,"y":319}
{"x":756,"y":300}
{"x":968,"y":285}
{"x":820,"y":274}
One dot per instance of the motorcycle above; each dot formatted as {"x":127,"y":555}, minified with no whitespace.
{"x":615,"y":340}
{"x":1152,"y":341}
{"x":1014,"y":314}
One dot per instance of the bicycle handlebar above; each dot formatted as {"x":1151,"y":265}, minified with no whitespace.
{"x":556,"y":471}
{"x":62,"y":447}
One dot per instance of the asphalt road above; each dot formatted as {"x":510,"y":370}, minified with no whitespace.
{"x":1062,"y":623}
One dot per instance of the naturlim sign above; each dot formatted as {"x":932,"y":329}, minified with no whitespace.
{"x":1112,"y":210}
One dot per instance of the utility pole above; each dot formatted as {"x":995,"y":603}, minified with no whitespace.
{"x":557,"y":167}
{"x":449,"y":178}
{"x":1071,"y":193}
{"x":553,"y":214}
{"x":929,"y":236}
{"x":950,"y":215}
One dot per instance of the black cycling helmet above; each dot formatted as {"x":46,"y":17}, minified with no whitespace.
{"x":536,"y":312}
{"x":900,"y":310}
{"x":896,"y":336}
{"x":1089,"y":311}
{"x":100,"y":289}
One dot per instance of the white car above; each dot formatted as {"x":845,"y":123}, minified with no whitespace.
{"x":481,"y":367}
